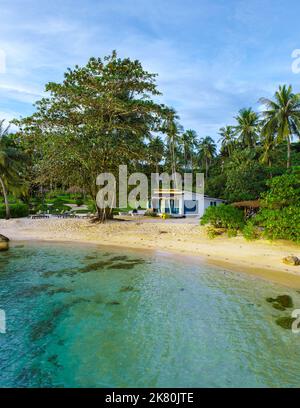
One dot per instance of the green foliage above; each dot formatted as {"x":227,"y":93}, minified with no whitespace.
{"x":54,"y":206}
{"x":92,"y":207}
{"x":245,"y":176}
{"x":150,"y":213}
{"x":79,"y":202}
{"x":211,"y":232}
{"x":284,"y":191}
{"x":231,"y":232}
{"x":223,"y":216}
{"x":251,"y":231}
{"x":59,"y":208}
{"x":280,"y":215}
{"x":16,"y":210}
{"x":281,"y":223}
{"x":215,"y":185}
{"x":247,"y":127}
{"x":281,"y":117}
{"x":95,"y":120}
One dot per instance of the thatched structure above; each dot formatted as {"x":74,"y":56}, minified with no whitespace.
{"x":250,"y":207}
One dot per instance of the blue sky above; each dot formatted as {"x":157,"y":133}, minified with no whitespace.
{"x":212,"y":57}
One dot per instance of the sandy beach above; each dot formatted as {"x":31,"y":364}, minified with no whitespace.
{"x":181,"y":237}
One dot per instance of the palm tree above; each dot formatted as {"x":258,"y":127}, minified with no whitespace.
{"x":247,"y":128}
{"x":227,"y":139}
{"x":173,"y":130}
{"x":268,"y":144}
{"x":281,"y":119}
{"x":11,"y":161}
{"x":207,"y":149}
{"x":189,"y":141}
{"x":156,"y":149}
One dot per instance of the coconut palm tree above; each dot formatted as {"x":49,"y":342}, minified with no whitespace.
{"x":11,"y":162}
{"x":268,"y":144}
{"x":173,"y":130}
{"x":227,"y":139}
{"x":156,"y":149}
{"x":207,"y":150}
{"x":281,"y":117}
{"x":247,"y":128}
{"x":189,"y":142}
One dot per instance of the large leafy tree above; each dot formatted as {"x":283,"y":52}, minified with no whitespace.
{"x":281,"y":117}
{"x":245,"y":176}
{"x":280,"y":212}
{"x":95,"y":120}
{"x":247,"y":128}
{"x":11,"y":166}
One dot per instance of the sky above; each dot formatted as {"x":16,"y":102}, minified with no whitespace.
{"x":213,"y":57}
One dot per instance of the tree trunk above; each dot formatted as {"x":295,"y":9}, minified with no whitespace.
{"x":270,"y":165}
{"x":104,"y":214}
{"x":288,"y":152}
{"x":7,"y":210}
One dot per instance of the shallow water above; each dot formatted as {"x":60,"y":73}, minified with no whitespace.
{"x":80,"y":316}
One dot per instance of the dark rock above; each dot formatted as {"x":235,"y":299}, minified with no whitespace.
{"x":278,"y":306}
{"x":285,"y":322}
{"x":127,"y":289}
{"x":284,"y":301}
{"x":291,"y":260}
{"x":4,"y":243}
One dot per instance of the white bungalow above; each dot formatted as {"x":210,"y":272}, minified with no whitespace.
{"x":181,"y":203}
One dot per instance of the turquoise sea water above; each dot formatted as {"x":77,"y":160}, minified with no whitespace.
{"x":80,"y":316}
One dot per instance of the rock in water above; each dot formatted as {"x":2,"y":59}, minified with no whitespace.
{"x":285,"y":322}
{"x":4,"y":243}
{"x":282,"y":302}
{"x":291,"y":260}
{"x":285,"y":301}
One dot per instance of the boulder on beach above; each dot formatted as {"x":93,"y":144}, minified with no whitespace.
{"x":4,"y":243}
{"x":291,"y":260}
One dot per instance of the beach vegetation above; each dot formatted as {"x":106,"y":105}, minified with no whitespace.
{"x":251,"y":231}
{"x":280,"y":213}
{"x":17,"y":210}
{"x":224,"y":216}
{"x":12,"y":163}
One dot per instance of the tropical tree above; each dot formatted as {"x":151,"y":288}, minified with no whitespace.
{"x":207,"y":151}
{"x":173,"y":130}
{"x":281,"y":117}
{"x":245,"y":176}
{"x":268,"y":145}
{"x":96,"y":119}
{"x":4,"y":129}
{"x":247,"y":128}
{"x":189,"y":142}
{"x":11,"y":164}
{"x":156,"y":151}
{"x":227,"y":139}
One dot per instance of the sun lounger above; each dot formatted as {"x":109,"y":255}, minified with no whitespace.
{"x":39,"y":216}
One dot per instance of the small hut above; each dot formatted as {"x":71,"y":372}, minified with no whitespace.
{"x":250,"y":207}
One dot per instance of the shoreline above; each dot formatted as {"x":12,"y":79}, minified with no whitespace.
{"x":261,"y":259}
